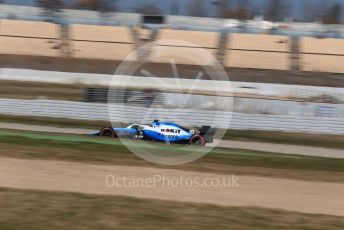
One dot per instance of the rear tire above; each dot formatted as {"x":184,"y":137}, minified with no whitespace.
{"x":197,"y":140}
{"x":107,"y":132}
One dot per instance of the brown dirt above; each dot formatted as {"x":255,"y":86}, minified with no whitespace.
{"x":292,"y":195}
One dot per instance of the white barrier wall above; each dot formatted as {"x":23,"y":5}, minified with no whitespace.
{"x":243,"y":88}
{"x":95,"y":111}
{"x":253,"y":105}
{"x":291,"y":108}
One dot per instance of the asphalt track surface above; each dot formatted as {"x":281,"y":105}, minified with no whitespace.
{"x":242,"y":191}
{"x":257,"y":146}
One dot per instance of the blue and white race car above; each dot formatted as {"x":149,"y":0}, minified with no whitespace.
{"x":161,"y":132}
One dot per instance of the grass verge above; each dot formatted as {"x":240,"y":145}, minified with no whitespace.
{"x":35,"y":210}
{"x":317,"y":140}
{"x":57,"y":122}
{"x":228,"y":161}
{"x":33,"y":90}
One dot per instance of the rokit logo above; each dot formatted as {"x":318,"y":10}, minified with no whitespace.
{"x":170,"y":131}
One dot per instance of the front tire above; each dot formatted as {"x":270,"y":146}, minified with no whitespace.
{"x":197,"y":140}
{"x":107,"y":132}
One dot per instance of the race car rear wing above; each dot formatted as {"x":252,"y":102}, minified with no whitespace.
{"x":208,"y":133}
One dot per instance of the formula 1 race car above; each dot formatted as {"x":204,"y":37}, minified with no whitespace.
{"x":161,"y":132}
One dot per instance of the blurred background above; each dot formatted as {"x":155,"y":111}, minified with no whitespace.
{"x":282,"y":60}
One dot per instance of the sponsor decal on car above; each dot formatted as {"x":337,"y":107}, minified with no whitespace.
{"x":170,"y":131}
